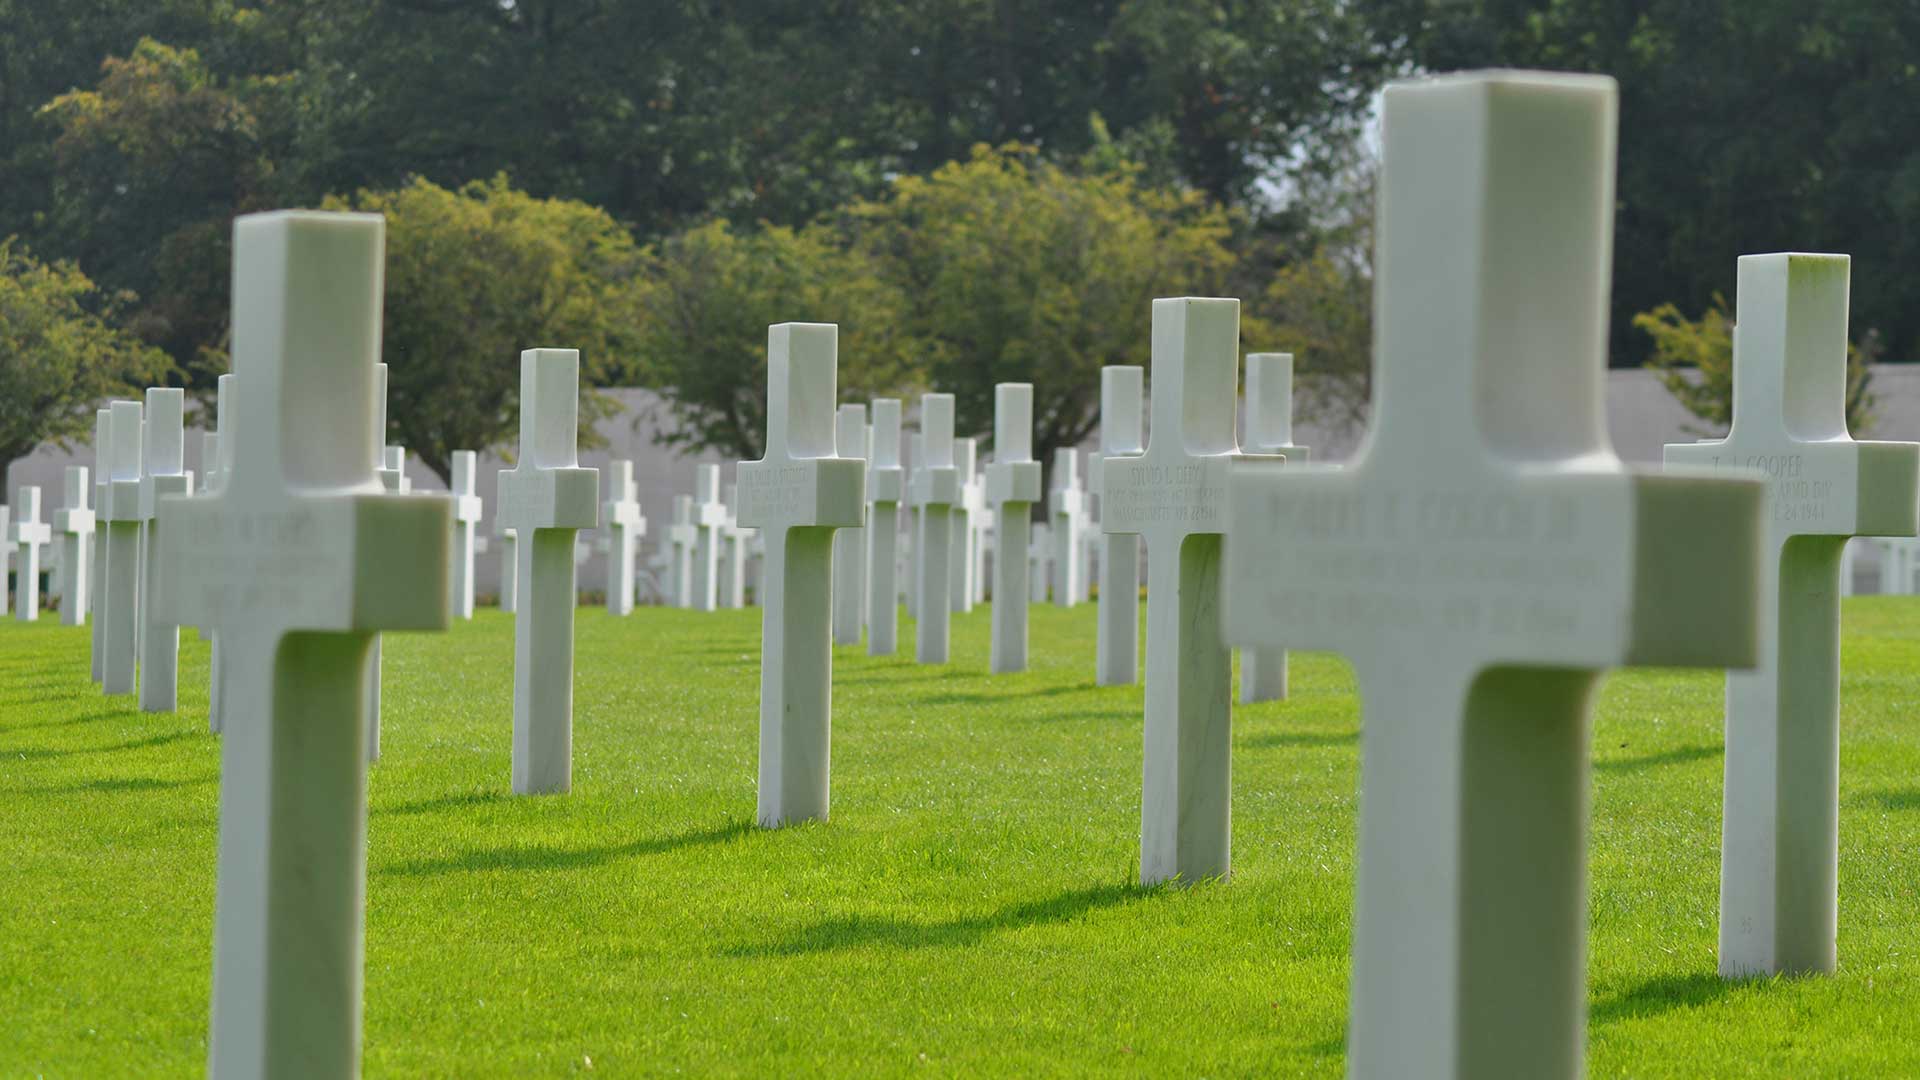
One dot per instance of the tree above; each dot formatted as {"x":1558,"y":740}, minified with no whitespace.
{"x":1745,"y":126}
{"x":474,"y":276}
{"x":712,"y":293}
{"x":1695,"y":360}
{"x":60,"y":354}
{"x":150,"y":167}
{"x":1021,"y":271}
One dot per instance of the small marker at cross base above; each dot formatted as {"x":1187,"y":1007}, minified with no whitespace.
{"x":936,"y":487}
{"x":1263,"y":672}
{"x":29,"y":534}
{"x":1173,"y":494}
{"x":466,"y":517}
{"x":73,"y":522}
{"x":1122,"y":414}
{"x":295,"y":562}
{"x":546,"y":498}
{"x":1780,"y":847}
{"x":1013,"y":486}
{"x":849,"y":545}
{"x":620,"y":515}
{"x":885,"y":485}
{"x":162,"y":474}
{"x":120,"y":585}
{"x":798,"y":494}
{"x":1480,"y":563}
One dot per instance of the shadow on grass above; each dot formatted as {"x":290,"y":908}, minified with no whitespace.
{"x":858,"y":930}
{"x":446,"y":802}
{"x":1680,"y":756}
{"x":1897,"y":800}
{"x":991,"y":698}
{"x":1661,"y":995}
{"x":33,"y":753}
{"x":120,"y":783}
{"x":68,"y":721}
{"x":1301,"y":738}
{"x":563,"y":858}
{"x":909,"y":676}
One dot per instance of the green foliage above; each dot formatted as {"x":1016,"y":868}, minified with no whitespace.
{"x":474,"y":276}
{"x":1021,"y":271}
{"x":713,"y":291}
{"x":60,"y":354}
{"x":1695,"y":360}
{"x":149,"y":167}
{"x":1745,"y":126}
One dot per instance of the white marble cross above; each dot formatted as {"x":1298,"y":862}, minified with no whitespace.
{"x":1269,"y":428}
{"x":74,"y":524}
{"x":162,"y":473}
{"x":849,"y":545}
{"x":1122,"y":414}
{"x":709,"y":522}
{"x":885,"y":486}
{"x":936,"y":487}
{"x":799,"y":493}
{"x":29,"y":534}
{"x":217,"y":473}
{"x":620,"y":516}
{"x":546,"y":499}
{"x":681,"y":537}
{"x":466,"y":517}
{"x":1480,"y":563}
{"x":509,"y":555}
{"x":1013,"y":486}
{"x":102,"y":471}
{"x":1173,"y":495}
{"x":1780,"y":855}
{"x":1067,"y":507}
{"x":733,"y":565}
{"x":972,"y":499}
{"x":120,"y":585}
{"x":1040,"y":559}
{"x":295,"y":562}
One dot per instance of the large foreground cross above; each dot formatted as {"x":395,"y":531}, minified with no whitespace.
{"x":546,"y":499}
{"x":1780,"y":849}
{"x":798,"y":494}
{"x":1480,"y":563}
{"x":295,"y":562}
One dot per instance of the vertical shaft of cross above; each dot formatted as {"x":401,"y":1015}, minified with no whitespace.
{"x":1013,"y":486}
{"x":849,"y":554}
{"x":74,"y":524}
{"x":121,"y":607}
{"x":884,"y":482}
{"x":1117,"y":648}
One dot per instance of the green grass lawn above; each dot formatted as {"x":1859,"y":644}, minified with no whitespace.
{"x":969,"y":909}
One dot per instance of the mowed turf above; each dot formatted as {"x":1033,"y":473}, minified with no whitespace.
{"x":970,"y":908}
